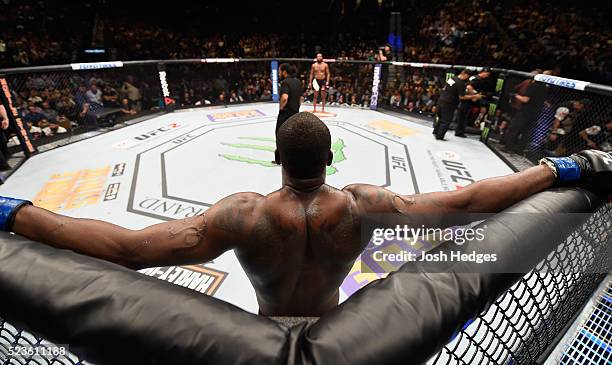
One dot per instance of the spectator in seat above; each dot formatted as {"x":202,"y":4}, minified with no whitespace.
{"x":410,"y":107}
{"x":94,"y":96}
{"x":221,"y":98}
{"x":50,"y":114}
{"x":563,"y":132}
{"x":84,"y":115}
{"x":266,"y":95}
{"x":110,"y":96}
{"x":126,"y":107}
{"x":132,"y":92}
{"x":66,"y":106}
{"x":235,"y":98}
{"x":64,"y":122}
{"x":395,"y":100}
{"x":34,"y":97}
{"x":598,"y":136}
{"x":34,"y":116}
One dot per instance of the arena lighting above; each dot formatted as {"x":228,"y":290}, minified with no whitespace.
{"x":94,"y":50}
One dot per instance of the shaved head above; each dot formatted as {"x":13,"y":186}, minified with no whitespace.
{"x":303,"y":145}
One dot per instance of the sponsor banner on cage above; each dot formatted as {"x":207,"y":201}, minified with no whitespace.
{"x":375,"y":86}
{"x":96,"y":65}
{"x":75,"y":189}
{"x":200,"y":278}
{"x":274,"y":75}
{"x":561,"y":81}
{"x":12,"y":113}
{"x":235,"y":116}
{"x":219,"y":60}
{"x":165,"y":89}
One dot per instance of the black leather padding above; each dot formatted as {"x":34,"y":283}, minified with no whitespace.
{"x":112,"y":315}
{"x":109,"y":314}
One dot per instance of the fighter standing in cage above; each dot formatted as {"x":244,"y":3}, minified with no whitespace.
{"x":319,"y":80}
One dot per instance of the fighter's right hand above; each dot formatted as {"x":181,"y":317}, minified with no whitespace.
{"x":590,"y":166}
{"x":8,"y":210}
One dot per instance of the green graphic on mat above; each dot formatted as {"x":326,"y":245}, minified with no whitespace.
{"x":250,"y":143}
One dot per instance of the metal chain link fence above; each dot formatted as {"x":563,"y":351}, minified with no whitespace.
{"x":521,"y":325}
{"x":563,"y":122}
{"x":58,"y":105}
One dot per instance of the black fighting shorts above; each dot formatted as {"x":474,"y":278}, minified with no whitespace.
{"x":322,"y":84}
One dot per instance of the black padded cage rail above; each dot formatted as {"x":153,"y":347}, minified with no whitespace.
{"x":112,"y":315}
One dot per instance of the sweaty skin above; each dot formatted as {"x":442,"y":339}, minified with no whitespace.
{"x":319,"y":71}
{"x":296,"y":244}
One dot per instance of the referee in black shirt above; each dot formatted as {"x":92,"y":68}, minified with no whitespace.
{"x":453,"y":92}
{"x":290,"y":93}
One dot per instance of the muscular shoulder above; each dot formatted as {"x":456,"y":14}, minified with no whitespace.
{"x":233,"y":214}
{"x":245,"y":201}
{"x":361,"y":190}
{"x":370,"y":197}
{"x":234,"y":210}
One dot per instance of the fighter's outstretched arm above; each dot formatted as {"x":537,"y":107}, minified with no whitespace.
{"x":186,"y":241}
{"x":494,"y":194}
{"x":485,"y":196}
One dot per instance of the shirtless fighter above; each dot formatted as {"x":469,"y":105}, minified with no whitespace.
{"x":319,"y":72}
{"x":296,"y":244}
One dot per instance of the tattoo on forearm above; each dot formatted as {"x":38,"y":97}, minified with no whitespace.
{"x":374,"y":198}
{"x":192,"y":231}
{"x":401,"y":203}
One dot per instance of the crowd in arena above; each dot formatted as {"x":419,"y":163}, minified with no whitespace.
{"x":50,"y":104}
{"x":572,"y":43}
{"x":514,"y":35}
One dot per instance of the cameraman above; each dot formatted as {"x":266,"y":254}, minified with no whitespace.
{"x":385,"y":54}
